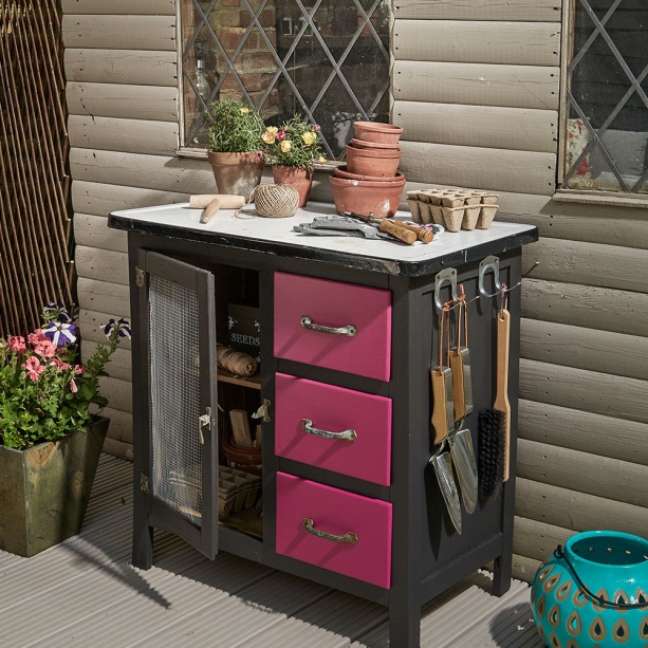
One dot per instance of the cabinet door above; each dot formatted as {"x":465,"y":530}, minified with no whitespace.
{"x":180,"y":322}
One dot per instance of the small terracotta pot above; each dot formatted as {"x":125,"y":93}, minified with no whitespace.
{"x":372,"y":162}
{"x":297,"y":177}
{"x":367,"y":198}
{"x":377,"y":132}
{"x":341,"y":172}
{"x":237,"y":173}
{"x":367,"y":144}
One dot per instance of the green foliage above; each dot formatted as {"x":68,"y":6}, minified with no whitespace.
{"x":294,"y":143}
{"x":235,"y":127}
{"x":45,"y":395}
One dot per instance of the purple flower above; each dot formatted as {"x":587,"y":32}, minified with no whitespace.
{"x":60,"y":334}
{"x":54,"y":311}
{"x":122,"y":326}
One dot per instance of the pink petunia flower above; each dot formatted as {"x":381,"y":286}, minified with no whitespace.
{"x":34,"y":368}
{"x":16,"y":343}
{"x":78,"y":370}
{"x":73,"y":386}
{"x":281,"y":135}
{"x":45,"y":349}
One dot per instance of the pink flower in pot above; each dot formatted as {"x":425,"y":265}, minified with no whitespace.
{"x":34,"y":368}
{"x":16,"y":343}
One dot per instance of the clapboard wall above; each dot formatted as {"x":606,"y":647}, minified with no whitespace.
{"x":476,"y":86}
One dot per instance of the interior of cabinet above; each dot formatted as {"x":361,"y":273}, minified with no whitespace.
{"x":239,"y":398}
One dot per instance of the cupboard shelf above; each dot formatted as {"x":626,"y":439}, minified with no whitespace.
{"x":253,"y":382}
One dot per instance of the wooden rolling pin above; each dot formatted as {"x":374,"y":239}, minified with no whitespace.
{"x":211,"y":203}
{"x":226,"y":201}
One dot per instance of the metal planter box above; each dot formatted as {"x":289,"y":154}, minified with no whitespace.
{"x":44,"y":491}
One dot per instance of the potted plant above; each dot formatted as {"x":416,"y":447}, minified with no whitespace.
{"x":234,"y":147}
{"x":50,"y":440}
{"x":292,"y":149}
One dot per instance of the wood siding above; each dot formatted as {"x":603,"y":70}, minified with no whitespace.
{"x":476,"y":88}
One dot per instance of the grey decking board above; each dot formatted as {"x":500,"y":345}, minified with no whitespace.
{"x":137,"y":616}
{"x":84,"y":593}
{"x":232,"y":618}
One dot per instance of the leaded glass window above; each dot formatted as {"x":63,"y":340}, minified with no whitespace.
{"x":607,"y":102}
{"x":326,"y":59}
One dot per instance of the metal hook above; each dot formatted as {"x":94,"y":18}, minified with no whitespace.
{"x":489,"y":264}
{"x":492,"y":264}
{"x":445,"y":276}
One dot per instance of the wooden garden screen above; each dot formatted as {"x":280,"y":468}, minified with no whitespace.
{"x":35,"y":266}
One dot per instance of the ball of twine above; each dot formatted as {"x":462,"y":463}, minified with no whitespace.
{"x":276,"y":201}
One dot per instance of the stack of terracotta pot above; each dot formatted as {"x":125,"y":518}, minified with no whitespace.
{"x":370,"y":185}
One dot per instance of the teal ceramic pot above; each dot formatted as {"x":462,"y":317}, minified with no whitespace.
{"x":594,"y":592}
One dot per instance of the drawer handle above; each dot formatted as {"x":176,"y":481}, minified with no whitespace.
{"x":349,"y":330}
{"x":346,"y":538}
{"x":345,"y":435}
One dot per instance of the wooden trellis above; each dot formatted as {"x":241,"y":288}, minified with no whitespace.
{"x":35,"y":215}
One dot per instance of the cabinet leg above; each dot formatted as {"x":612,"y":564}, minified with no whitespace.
{"x":404,"y":625}
{"x":142,"y":545}
{"x":502,"y":575}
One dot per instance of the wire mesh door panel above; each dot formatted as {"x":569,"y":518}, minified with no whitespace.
{"x":181,"y":332}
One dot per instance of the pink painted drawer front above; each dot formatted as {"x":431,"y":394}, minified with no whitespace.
{"x":333,"y":304}
{"x":337,"y":512}
{"x":333,"y":409}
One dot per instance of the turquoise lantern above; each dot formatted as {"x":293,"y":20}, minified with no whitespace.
{"x":594,"y":592}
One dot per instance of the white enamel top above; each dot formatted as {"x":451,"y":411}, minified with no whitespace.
{"x":279,"y":230}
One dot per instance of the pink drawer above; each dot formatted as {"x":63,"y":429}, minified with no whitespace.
{"x":303,"y":305}
{"x":356,"y":531}
{"x":349,"y":431}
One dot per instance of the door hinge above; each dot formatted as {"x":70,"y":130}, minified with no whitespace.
{"x":264,"y":411}
{"x":144,"y":484}
{"x":140,"y":277}
{"x":204,"y":424}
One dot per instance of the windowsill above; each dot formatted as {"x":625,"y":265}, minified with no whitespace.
{"x":201,"y":154}
{"x":601,"y":198}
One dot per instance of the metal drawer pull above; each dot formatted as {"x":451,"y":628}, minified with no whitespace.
{"x":349,"y":330}
{"x":345,"y":435}
{"x":347,"y":538}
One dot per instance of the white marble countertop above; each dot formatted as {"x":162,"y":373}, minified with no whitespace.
{"x":182,"y":221}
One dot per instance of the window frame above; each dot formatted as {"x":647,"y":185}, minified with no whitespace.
{"x":562,"y":192}
{"x":188,"y":152}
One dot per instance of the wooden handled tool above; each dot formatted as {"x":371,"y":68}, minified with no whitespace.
{"x":423,"y":234}
{"x":442,"y":397}
{"x":502,"y":403}
{"x":460,"y":363}
{"x":397,"y":231}
{"x":225,"y":201}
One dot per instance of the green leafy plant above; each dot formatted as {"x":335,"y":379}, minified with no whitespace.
{"x":45,"y":392}
{"x":294,"y":143}
{"x":235,"y":127}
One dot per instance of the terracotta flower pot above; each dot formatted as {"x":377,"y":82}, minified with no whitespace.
{"x":378,"y":132}
{"x":373,"y":162}
{"x":367,"y":198}
{"x":297,"y":177}
{"x":237,"y":173}
{"x":368,"y":144}
{"x":342,"y":172}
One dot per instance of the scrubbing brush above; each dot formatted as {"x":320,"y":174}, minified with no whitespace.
{"x":495,"y":424}
{"x":491,"y":451}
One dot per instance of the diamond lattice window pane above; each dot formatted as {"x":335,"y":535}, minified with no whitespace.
{"x":325,"y":59}
{"x":607,"y":130}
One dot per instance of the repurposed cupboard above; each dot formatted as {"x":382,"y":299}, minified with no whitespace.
{"x":348,"y":335}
